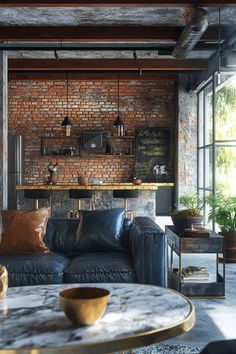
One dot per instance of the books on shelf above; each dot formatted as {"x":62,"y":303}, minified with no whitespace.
{"x":193,"y":273}
{"x":201,"y":232}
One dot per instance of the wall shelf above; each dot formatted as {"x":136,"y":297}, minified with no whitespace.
{"x":59,"y":145}
{"x":120,"y":137}
{"x":107,"y":155}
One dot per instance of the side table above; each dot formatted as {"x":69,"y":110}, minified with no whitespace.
{"x":181,"y":245}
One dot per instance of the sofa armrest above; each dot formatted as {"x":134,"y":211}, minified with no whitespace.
{"x":147,"y":246}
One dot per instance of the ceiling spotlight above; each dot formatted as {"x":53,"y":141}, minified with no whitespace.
{"x":56,"y":55}
{"x":135,"y":55}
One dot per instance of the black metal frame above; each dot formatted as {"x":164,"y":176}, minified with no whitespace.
{"x":215,"y":143}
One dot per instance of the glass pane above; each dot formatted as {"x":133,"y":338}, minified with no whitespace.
{"x":200,"y":119}
{"x":208,"y":114}
{"x":226,"y":170}
{"x":208,"y":167}
{"x":200,"y":168}
{"x":226,"y":109}
{"x":206,"y":210}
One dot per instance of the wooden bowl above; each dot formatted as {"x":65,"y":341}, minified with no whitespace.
{"x":85,"y":305}
{"x":83,"y":181}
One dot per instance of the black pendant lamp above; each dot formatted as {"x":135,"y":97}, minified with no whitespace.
{"x":118,"y":125}
{"x":66,"y":123}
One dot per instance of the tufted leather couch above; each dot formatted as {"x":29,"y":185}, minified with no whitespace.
{"x":142,"y":259}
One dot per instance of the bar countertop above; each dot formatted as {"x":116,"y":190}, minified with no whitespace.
{"x":102,"y":186}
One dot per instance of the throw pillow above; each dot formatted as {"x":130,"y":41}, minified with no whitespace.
{"x":23,"y":231}
{"x":100,"y":230}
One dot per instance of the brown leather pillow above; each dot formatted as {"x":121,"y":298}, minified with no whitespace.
{"x":23,"y":231}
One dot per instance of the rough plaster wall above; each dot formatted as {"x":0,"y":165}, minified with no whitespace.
{"x":187,"y":139}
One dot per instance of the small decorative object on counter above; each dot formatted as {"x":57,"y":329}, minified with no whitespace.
{"x":3,"y":281}
{"x":137,"y":181}
{"x":52,"y":169}
{"x":83,"y":180}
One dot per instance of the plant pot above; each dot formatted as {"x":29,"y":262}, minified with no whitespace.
{"x":230,"y":246}
{"x":185,"y":222}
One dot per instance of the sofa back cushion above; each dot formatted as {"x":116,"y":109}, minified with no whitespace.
{"x":89,"y":233}
{"x":101,"y":230}
{"x":61,"y":235}
{"x":23,"y":231}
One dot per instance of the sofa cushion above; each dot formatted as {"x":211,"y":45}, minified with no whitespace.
{"x":101,"y":230}
{"x":23,"y":231}
{"x":61,"y":235}
{"x":35,"y":268}
{"x":100,"y":267}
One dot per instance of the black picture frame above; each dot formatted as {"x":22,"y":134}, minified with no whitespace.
{"x":92,"y":141}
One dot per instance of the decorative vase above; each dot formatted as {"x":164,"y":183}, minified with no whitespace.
{"x":137,"y":181}
{"x":3,"y":281}
{"x":51,"y":180}
{"x":83,"y":181}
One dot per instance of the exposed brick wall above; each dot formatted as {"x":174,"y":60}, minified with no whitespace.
{"x":36,"y":107}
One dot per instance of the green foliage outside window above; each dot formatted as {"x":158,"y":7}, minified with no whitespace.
{"x":225,"y":130}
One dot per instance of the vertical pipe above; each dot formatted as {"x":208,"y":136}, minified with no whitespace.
{"x":3,"y":129}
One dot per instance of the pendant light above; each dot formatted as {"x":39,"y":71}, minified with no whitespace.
{"x":66,"y":122}
{"x":118,"y":125}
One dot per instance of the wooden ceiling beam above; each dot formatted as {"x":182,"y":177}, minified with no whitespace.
{"x":98,"y":34}
{"x":112,"y":3}
{"x":108,"y":64}
{"x":92,"y":76}
{"x":86,"y":34}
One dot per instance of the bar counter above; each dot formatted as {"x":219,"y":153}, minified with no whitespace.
{"x":102,"y":186}
{"x":102,"y":197}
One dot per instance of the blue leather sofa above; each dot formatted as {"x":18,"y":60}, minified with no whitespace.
{"x":141,"y":257}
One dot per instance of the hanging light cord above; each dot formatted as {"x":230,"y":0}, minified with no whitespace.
{"x":67,"y":92}
{"x":118,"y":92}
{"x":219,"y":40}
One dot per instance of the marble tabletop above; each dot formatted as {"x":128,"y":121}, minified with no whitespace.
{"x":137,"y":315}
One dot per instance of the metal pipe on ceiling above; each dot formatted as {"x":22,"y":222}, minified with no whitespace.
{"x":196,"y":25}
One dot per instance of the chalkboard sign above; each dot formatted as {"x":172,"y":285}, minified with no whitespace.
{"x":153,"y":160}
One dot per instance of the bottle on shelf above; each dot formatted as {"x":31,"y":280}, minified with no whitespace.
{"x":108,"y":148}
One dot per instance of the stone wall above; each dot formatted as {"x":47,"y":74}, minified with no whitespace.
{"x":145,"y":205}
{"x":187,"y":139}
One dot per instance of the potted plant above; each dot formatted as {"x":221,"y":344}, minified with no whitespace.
{"x":223,"y":212}
{"x":191,"y":213}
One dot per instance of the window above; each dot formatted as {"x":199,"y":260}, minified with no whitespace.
{"x":205,"y":141}
{"x":217,"y":136}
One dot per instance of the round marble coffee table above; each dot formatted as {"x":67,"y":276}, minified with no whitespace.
{"x":31,"y":320}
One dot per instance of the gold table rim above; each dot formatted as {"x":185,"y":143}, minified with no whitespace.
{"x":122,"y":343}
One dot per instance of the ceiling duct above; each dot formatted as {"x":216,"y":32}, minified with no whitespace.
{"x":196,"y":25}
